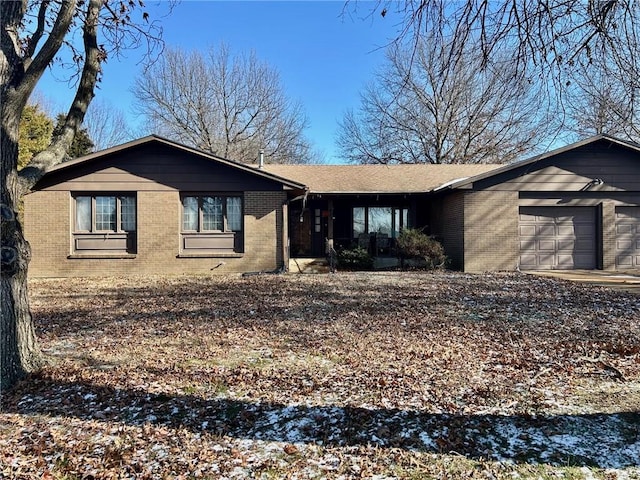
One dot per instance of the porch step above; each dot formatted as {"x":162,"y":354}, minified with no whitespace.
{"x":308,"y":265}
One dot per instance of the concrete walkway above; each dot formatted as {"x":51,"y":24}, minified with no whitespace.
{"x":629,"y":280}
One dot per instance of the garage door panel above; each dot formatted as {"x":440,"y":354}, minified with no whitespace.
{"x":528,"y":262}
{"x":624,"y":261}
{"x":546,"y":246}
{"x":624,"y":229}
{"x":564,"y":261}
{"x":546,"y":259}
{"x":565,"y":245}
{"x":583,"y":230}
{"x":627,"y":237}
{"x":562,"y":238}
{"x":585,"y":244}
{"x":583,"y":261}
{"x":528,"y":230}
{"x":546,"y":230}
{"x":565,"y":231}
{"x":625,"y":244}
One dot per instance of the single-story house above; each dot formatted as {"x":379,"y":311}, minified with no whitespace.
{"x":153,"y":206}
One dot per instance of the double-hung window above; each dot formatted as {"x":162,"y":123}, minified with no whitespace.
{"x":211,"y":224}
{"x":104,"y":223}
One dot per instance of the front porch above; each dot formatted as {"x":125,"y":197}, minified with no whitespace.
{"x":372,"y":222}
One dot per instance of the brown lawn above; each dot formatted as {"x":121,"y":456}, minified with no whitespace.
{"x":385,"y":375}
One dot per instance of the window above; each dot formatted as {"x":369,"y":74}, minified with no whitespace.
{"x":104,"y":224}
{"x":359,"y":224}
{"x":211,"y":214}
{"x":105,"y":213}
{"x":211,"y":225}
{"x":379,"y":220}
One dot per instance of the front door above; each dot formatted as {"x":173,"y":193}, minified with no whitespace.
{"x":308,"y":230}
{"x":320,"y":221}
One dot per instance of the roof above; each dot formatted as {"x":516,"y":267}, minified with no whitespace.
{"x":511,"y":166}
{"x":405,"y":178}
{"x":157,"y":139}
{"x":368,"y":179}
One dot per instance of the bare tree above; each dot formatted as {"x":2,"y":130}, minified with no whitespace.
{"x":32,"y":36}
{"x":432,"y":104}
{"x":106,"y":125}
{"x":599,"y":102}
{"x":228,"y":105}
{"x":551,"y":36}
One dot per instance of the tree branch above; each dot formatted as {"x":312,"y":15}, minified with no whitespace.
{"x":36,"y":67}
{"x":37,"y":35}
{"x":92,"y":65}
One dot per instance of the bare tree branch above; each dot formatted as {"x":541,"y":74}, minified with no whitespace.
{"x":229,"y":105}
{"x":435,"y":105}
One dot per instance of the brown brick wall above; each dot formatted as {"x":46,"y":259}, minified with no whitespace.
{"x":263,"y":227}
{"x":47,"y":218}
{"x":48,"y":229}
{"x":450,"y":228}
{"x":491,"y":231}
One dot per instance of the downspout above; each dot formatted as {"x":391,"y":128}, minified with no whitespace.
{"x":284,"y":268}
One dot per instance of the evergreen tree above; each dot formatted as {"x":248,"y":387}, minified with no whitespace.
{"x":35,"y":133}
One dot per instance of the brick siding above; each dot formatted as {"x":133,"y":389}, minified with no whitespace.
{"x":48,"y":220}
{"x":491,"y":239}
{"x":451,"y":228}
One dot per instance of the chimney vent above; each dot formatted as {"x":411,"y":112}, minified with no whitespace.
{"x":261,"y":159}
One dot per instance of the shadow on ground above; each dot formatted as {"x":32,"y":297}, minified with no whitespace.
{"x":591,"y":440}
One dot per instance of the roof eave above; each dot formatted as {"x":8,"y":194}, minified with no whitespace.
{"x":368,"y":192}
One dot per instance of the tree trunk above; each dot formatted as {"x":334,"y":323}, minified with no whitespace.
{"x":20,"y":353}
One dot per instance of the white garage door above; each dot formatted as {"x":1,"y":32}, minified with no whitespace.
{"x":627,"y":237}
{"x":557,"y":238}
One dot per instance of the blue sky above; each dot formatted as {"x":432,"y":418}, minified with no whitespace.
{"x":324,"y":57}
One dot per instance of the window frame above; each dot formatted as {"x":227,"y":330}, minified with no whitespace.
{"x":201,"y":242}
{"x":201,"y":214}
{"x":99,"y":243}
{"x":118,"y":213}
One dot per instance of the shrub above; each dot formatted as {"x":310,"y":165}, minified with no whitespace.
{"x":414,"y":244}
{"x":355,"y":259}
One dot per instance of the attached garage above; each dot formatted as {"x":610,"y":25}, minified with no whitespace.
{"x":576,"y":207}
{"x":557,"y":238}
{"x":627,"y":237}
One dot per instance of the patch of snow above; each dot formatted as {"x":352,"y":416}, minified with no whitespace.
{"x":427,"y":441}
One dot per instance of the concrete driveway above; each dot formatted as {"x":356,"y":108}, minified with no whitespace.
{"x":629,"y":280}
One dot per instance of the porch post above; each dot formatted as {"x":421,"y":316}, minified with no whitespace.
{"x":330,"y":224}
{"x":285,"y":236}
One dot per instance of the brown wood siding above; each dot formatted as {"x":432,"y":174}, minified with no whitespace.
{"x":155,"y":168}
{"x":617,"y":167}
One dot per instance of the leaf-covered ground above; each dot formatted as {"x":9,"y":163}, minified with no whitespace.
{"x":385,"y":375}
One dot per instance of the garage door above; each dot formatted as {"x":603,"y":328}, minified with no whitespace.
{"x":627,"y":237}
{"x":557,"y":238}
